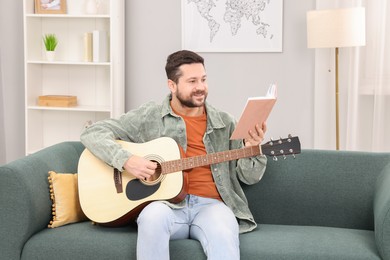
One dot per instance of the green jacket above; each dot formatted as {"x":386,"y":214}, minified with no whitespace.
{"x":151,"y":121}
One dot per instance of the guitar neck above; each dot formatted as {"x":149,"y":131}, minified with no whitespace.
{"x":202,"y":160}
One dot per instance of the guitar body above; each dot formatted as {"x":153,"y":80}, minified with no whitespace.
{"x":113,"y":198}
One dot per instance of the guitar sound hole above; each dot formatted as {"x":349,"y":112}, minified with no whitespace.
{"x":156,"y":177}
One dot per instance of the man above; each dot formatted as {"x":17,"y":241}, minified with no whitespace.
{"x":215,"y":210}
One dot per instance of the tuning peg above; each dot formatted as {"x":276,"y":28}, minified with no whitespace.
{"x":293,"y":155}
{"x":284,"y":157}
{"x":289,"y":135}
{"x":275,"y":158}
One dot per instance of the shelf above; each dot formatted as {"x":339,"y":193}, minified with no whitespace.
{"x":82,"y":63}
{"x":70,"y":16}
{"x":98,"y":86}
{"x":76,"y":108}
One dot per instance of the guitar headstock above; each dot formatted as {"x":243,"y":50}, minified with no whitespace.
{"x":282,"y":147}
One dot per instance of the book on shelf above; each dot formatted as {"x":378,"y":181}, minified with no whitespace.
{"x":99,"y":46}
{"x":87,"y":47}
{"x":256,"y":111}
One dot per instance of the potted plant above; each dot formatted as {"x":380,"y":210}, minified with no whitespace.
{"x":50,"y":41}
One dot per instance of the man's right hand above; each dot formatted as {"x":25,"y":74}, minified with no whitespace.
{"x":140,"y":167}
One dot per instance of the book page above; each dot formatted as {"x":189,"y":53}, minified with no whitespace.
{"x":256,"y":111}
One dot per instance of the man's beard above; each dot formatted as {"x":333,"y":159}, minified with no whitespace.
{"x":188,"y":102}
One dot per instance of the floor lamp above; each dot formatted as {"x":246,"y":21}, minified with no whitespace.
{"x":336,"y":28}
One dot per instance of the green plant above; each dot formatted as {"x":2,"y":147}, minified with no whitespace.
{"x":50,"y":41}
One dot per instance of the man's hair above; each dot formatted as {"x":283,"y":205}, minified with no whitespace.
{"x":176,"y":59}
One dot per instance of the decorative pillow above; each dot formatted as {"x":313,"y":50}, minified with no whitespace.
{"x":65,"y":197}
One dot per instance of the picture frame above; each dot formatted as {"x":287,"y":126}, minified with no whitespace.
{"x":50,"y":6}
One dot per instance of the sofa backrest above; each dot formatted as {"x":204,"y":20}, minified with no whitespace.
{"x":321,"y":188}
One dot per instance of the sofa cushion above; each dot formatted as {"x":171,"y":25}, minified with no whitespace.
{"x":307,"y":242}
{"x":87,"y":241}
{"x":65,"y":197}
{"x":84,"y":240}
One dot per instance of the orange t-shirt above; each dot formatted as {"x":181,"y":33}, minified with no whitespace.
{"x":200,"y":179}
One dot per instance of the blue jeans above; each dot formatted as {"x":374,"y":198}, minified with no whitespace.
{"x":209,"y":221}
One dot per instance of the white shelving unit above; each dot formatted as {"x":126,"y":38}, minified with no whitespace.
{"x":99,"y":86}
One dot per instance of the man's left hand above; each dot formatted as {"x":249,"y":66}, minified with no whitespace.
{"x":256,"y":137}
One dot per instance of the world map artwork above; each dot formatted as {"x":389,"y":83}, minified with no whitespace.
{"x":232,"y":20}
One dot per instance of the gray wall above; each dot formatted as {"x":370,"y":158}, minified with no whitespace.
{"x":153,"y":30}
{"x":12,"y":76}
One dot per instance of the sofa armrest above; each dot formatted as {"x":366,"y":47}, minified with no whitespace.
{"x":382,"y":213}
{"x":24,"y":194}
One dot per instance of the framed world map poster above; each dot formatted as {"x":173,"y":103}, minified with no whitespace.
{"x":232,"y":25}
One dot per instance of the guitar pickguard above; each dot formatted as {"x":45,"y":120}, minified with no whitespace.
{"x":136,"y":190}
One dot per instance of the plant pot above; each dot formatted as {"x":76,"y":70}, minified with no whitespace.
{"x":50,"y":55}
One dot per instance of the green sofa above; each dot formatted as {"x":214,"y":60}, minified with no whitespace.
{"x":321,"y":205}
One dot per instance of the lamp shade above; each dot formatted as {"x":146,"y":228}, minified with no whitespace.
{"x":336,"y":28}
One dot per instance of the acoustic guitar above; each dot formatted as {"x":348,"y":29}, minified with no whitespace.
{"x":112,"y":198}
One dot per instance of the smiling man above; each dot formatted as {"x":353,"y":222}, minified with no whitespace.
{"x":215,"y":209}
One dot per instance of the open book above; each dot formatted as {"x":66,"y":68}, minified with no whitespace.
{"x":256,"y":111}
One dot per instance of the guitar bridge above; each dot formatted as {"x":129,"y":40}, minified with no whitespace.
{"x":118,"y":181}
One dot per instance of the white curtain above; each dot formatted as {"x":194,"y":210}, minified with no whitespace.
{"x":364,"y":77}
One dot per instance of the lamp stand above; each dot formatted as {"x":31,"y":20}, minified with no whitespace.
{"x":337,"y":98}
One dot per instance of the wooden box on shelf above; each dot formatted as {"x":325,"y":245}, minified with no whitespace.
{"x":57,"y":101}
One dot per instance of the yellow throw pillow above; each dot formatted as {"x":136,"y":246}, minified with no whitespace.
{"x":65,"y":197}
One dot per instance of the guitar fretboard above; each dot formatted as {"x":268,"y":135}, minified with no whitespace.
{"x":202,"y":160}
